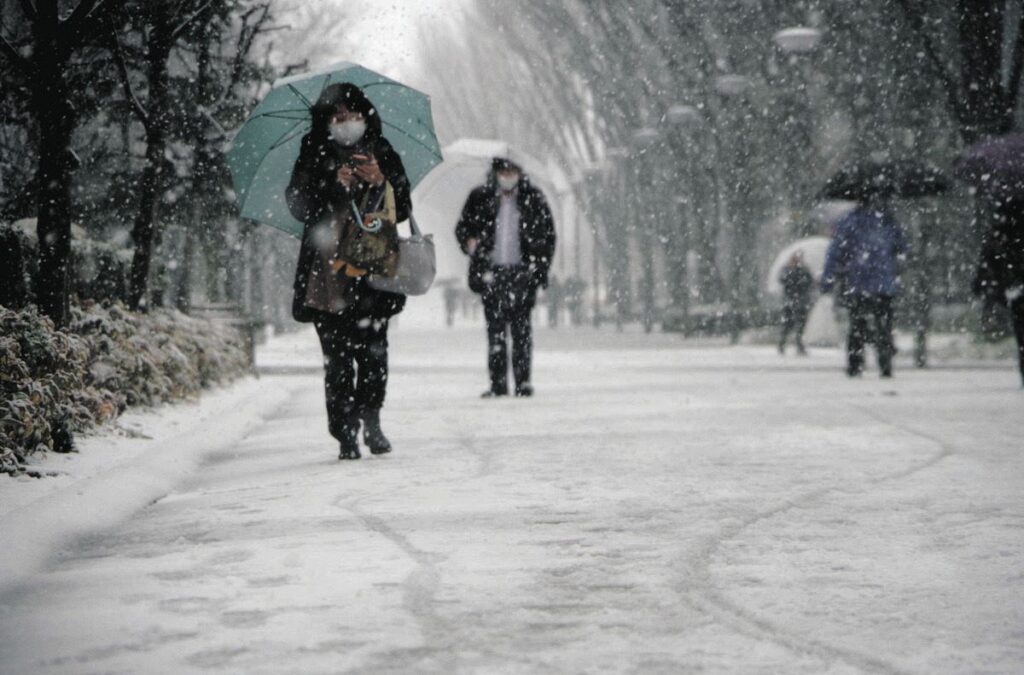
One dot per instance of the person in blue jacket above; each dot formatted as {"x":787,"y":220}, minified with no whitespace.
{"x":862,"y":267}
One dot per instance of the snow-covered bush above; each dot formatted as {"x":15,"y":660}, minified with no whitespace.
{"x":54,"y":383}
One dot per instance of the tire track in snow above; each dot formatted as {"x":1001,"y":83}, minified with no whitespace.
{"x":705,"y":596}
{"x":419,"y":592}
{"x":420,"y":587}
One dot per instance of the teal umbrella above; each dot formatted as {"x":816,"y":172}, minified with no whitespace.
{"x":264,"y":150}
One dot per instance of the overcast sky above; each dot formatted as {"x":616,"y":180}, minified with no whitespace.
{"x":384,"y":36}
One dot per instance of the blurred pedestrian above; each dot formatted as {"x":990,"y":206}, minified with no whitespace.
{"x":344,"y":158}
{"x":797,"y":282}
{"x":451,"y":299}
{"x":862,"y":266}
{"x":1000,"y":274}
{"x":507,"y":230}
{"x":574,"y":289}
{"x":553,"y":295}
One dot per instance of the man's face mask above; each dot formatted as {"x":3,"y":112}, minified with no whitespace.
{"x":508,"y":181}
{"x":348,"y":132}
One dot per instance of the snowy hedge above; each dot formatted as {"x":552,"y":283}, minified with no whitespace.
{"x":54,"y":383}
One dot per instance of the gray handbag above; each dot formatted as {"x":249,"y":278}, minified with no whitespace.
{"x":416,"y":268}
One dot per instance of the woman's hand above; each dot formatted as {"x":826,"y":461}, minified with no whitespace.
{"x":368,"y":169}
{"x":347,"y":176}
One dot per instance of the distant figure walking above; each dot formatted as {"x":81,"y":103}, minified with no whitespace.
{"x":1000,"y":275}
{"x":451,"y":301}
{"x":554,"y":295}
{"x":574,"y":288}
{"x":344,"y":158}
{"x":797,"y":283}
{"x":507,"y":230}
{"x":862,"y":266}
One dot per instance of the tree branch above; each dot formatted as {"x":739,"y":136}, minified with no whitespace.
{"x":78,"y":16}
{"x":126,"y":83}
{"x":29,"y":9}
{"x":247,"y":34}
{"x":183,"y":26}
{"x":916,"y":20}
{"x":85,"y":20}
{"x":8,"y":50}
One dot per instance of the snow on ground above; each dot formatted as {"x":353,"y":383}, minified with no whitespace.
{"x":659,"y":506}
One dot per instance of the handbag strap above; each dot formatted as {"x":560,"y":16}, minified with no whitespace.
{"x":416,"y":232}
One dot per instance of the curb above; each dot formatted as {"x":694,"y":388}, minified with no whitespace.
{"x":35,"y":532}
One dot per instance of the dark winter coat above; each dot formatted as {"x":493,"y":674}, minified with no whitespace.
{"x":314,"y":195}
{"x":796,"y":283}
{"x":536,"y":232}
{"x":1001,"y":267}
{"x":864,"y":256}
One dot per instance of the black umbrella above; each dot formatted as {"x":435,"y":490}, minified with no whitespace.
{"x":995,"y":165}
{"x":888,"y":178}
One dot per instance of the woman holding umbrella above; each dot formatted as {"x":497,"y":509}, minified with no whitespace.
{"x":343,"y":161}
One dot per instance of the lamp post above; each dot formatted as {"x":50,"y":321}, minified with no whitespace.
{"x":735,"y":86}
{"x":683,"y":118}
{"x":796,"y":43}
{"x":644,"y":138}
{"x":593,"y":184}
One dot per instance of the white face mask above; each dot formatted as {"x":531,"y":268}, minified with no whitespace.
{"x":348,"y":132}
{"x":508,"y":182}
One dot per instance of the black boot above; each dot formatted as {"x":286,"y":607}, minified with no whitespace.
{"x":494,"y":392}
{"x":373,"y":436}
{"x":524,"y":390}
{"x":349,"y":442}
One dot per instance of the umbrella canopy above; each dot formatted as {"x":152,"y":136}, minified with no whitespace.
{"x":888,"y":178}
{"x":265,"y":149}
{"x":995,"y":165}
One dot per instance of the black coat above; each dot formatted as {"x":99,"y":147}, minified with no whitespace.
{"x":314,"y":194}
{"x":1002,"y":255}
{"x":796,"y":283}
{"x":536,"y":231}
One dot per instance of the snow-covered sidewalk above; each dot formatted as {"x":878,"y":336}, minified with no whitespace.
{"x":659,"y":506}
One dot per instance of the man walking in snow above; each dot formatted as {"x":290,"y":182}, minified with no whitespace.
{"x":507,"y":230}
{"x":862,"y":266}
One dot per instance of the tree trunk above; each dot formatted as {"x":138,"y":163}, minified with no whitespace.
{"x":56,"y":123}
{"x":143,"y":230}
{"x":156,"y":137}
{"x":980,"y":24}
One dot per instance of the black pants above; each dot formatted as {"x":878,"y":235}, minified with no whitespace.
{"x":355,"y":368}
{"x":1017,"y":317}
{"x":794,"y":318}
{"x":870,"y":321}
{"x":508,"y":300}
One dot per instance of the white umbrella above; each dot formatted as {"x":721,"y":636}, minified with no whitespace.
{"x":813,"y":248}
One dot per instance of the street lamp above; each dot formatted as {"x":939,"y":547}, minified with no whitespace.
{"x":797,"y":40}
{"x":732,"y":84}
{"x":682,"y":115}
{"x":645,"y":137}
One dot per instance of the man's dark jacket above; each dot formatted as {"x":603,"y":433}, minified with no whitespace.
{"x":536,"y":231}
{"x":1001,"y":266}
{"x":314,"y":195}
